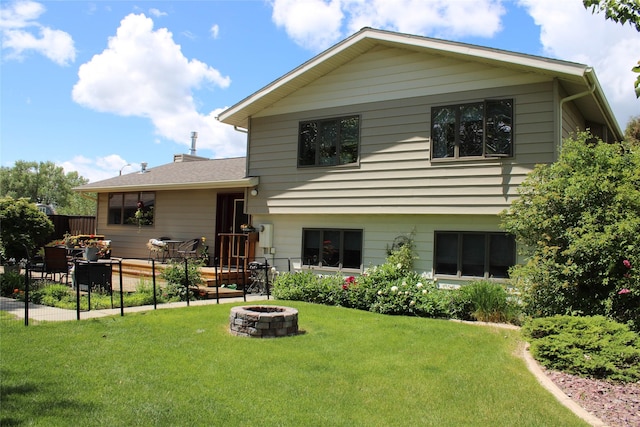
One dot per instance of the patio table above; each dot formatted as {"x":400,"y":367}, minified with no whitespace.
{"x":172,"y":247}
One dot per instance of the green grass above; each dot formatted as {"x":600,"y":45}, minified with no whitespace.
{"x":181,"y":367}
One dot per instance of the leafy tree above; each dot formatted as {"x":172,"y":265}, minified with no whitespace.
{"x":632,"y":132}
{"x":580,"y":220}
{"x":621,"y":11}
{"x":24,"y":228}
{"x":46,"y":183}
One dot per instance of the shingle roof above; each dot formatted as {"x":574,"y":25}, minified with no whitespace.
{"x":200,"y":174}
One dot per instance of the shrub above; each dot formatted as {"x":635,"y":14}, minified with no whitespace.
{"x":486,"y":301}
{"x":587,"y":346}
{"x":580,"y":217}
{"x":177,"y":280}
{"x":24,"y":228}
{"x":9,"y":282}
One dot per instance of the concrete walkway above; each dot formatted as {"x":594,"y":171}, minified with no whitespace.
{"x":45,"y":313}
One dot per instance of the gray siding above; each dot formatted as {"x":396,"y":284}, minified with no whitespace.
{"x":395,"y":173}
{"x":379,"y":231}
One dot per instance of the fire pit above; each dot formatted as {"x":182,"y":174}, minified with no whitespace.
{"x":263,"y":321}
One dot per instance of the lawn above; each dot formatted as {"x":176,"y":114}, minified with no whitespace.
{"x":349,"y":368}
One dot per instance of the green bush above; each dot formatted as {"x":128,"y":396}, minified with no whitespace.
{"x":9,"y":282}
{"x":390,"y":288}
{"x":24,"y":228}
{"x":486,"y":301}
{"x":580,"y":219}
{"x":177,"y":280}
{"x":394,"y":288}
{"x":592,"y":346}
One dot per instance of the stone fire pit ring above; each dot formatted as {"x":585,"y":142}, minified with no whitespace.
{"x":263,"y":321}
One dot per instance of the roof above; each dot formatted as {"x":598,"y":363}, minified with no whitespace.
{"x":576,"y":78}
{"x":200,"y":174}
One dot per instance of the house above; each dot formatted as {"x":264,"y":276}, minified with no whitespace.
{"x":192,"y":197}
{"x":386,"y":135}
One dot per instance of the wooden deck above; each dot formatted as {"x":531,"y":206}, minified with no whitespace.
{"x":139,"y":268}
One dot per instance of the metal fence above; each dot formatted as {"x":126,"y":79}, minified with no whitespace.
{"x":92,"y":281}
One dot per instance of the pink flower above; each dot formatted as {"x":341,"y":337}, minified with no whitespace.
{"x":349,"y":280}
{"x":345,"y":286}
{"x":626,"y":263}
{"x":624,"y":291}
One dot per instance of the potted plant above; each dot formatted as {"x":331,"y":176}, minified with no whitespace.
{"x":91,"y":250}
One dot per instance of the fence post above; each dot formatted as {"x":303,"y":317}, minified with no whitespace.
{"x":75,"y":269}
{"x":26,"y":294}
{"x":153,"y":276}
{"x":121,"y":290}
{"x":266,"y":276}
{"x":186,"y":277}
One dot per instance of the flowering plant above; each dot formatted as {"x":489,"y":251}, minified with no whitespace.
{"x":204,"y":249}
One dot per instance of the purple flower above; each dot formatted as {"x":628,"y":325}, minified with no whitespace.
{"x":626,"y":263}
{"x":624,"y":291}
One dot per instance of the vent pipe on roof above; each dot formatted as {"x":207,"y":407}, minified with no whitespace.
{"x":194,"y":136}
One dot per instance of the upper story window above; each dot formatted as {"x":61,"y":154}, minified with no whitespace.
{"x":329,"y":142}
{"x":332,"y":248}
{"x":474,"y":254}
{"x":135,"y":208}
{"x":479,"y":129}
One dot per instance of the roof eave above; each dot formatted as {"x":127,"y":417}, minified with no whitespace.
{"x":206,"y":185}
{"x":239,"y":114}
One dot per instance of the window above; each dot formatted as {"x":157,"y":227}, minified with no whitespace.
{"x":481,"y":129}
{"x":329,"y":142}
{"x":332,"y":248}
{"x":473,"y":254}
{"x":135,"y":208}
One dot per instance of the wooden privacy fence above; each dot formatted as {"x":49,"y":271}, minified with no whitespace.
{"x":73,"y":224}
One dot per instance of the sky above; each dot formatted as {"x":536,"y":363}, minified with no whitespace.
{"x":99,"y":87}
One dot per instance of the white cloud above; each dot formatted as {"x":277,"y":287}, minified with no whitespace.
{"x":567,"y":31}
{"x":143,"y":73}
{"x":436,"y":18}
{"x":570,"y":32}
{"x":22,"y":33}
{"x":215,"y":30}
{"x":317,"y":24}
{"x":157,"y":12}
{"x":99,"y":168}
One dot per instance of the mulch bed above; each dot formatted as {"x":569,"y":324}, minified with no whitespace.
{"x":617,"y":405}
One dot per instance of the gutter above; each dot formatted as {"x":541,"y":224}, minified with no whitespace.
{"x":568,"y":99}
{"x":247,"y":182}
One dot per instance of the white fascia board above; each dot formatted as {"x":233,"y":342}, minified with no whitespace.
{"x":240,"y":183}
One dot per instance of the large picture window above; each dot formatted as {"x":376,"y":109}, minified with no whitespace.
{"x":480,"y":129}
{"x":329,"y":142}
{"x":332,"y":248}
{"x":135,"y":208}
{"x":473,"y":254}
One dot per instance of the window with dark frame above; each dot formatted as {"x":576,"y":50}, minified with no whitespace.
{"x":132,"y":208}
{"x":474,"y":254}
{"x":480,"y":129}
{"x":329,"y":142}
{"x":338,"y":248}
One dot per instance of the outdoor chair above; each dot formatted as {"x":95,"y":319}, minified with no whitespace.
{"x":188,"y":249}
{"x":56,"y":262}
{"x":158,"y":248}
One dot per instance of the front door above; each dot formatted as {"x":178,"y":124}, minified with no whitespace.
{"x":230,"y":216}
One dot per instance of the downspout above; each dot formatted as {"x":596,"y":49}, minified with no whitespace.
{"x":571,"y":98}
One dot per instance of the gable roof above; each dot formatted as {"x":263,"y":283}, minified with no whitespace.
{"x":576,"y":78}
{"x":201,"y":174}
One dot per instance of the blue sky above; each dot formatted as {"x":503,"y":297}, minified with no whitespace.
{"x":96,"y":85}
